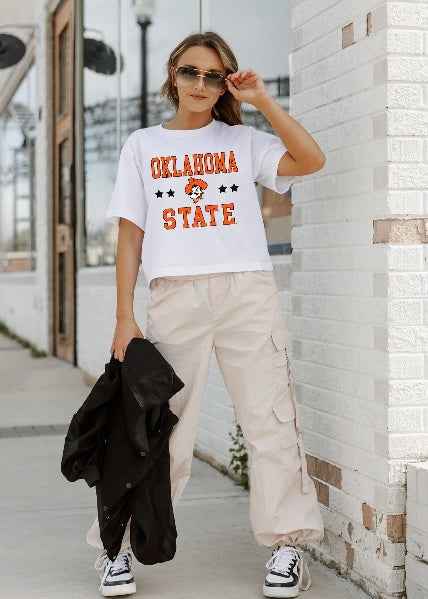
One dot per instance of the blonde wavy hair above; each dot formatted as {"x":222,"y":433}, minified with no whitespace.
{"x":227,"y":108}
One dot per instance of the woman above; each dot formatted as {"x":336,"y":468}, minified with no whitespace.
{"x":186,"y":188}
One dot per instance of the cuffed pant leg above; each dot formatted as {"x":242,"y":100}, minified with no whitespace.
{"x":251,"y":352}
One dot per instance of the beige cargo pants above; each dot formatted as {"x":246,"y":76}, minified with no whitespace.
{"x":239,"y":314}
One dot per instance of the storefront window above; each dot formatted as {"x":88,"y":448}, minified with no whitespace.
{"x":263,"y":43}
{"x":17,"y":182}
{"x":112,"y":103}
{"x":104,"y":95}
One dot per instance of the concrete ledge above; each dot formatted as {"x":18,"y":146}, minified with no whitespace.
{"x":417,"y":531}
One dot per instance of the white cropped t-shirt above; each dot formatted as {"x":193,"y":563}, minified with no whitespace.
{"x":192,"y":192}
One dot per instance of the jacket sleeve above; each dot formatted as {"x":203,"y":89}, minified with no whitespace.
{"x":85,"y":440}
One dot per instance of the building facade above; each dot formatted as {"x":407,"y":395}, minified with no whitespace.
{"x":349,"y":249}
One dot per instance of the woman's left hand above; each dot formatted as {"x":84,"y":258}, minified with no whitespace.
{"x":247,"y":86}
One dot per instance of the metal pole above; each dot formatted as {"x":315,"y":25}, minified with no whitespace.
{"x":143,"y":99}
{"x":118,"y":81}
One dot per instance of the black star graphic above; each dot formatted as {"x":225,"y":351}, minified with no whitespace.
{"x":234,"y":187}
{"x":171,"y":193}
{"x":159,"y":194}
{"x":222,"y":189}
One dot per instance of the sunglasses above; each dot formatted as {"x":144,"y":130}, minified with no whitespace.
{"x":188,"y":75}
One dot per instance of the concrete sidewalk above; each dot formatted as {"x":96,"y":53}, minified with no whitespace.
{"x":44,"y":518}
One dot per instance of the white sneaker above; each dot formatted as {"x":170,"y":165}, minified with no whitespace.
{"x":117,"y":578}
{"x":286,"y":573}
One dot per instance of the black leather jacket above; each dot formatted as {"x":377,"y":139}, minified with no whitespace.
{"x":118,"y":441}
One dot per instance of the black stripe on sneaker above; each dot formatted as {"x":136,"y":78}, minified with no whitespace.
{"x":120,"y":572}
{"x":117,"y":582}
{"x":280,"y":584}
{"x":295,"y":577}
{"x":291,"y":583}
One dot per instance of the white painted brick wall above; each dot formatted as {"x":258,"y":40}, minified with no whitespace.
{"x":417,"y":531}
{"x":359,"y":315}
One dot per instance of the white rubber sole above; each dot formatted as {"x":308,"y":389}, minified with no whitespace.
{"x":280,"y":592}
{"x":120,"y":589}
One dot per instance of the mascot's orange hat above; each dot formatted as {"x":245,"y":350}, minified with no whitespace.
{"x":192,"y":182}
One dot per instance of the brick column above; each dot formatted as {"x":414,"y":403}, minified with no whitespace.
{"x":359,"y":280}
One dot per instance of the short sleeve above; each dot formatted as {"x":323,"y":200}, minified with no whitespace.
{"x":128,"y":198}
{"x":266,"y":152}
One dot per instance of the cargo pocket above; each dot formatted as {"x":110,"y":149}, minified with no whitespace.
{"x":285,"y":405}
{"x":285,"y":413}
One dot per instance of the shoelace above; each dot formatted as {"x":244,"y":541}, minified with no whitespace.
{"x":281,"y":560}
{"x":104,"y":562}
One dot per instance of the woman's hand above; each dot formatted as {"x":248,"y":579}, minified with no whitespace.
{"x":247,"y":86}
{"x":303,"y":155}
{"x":126,"y":329}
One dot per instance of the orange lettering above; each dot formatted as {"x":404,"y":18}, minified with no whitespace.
{"x":232,"y":163}
{"x":199,"y":218}
{"x":185,"y":211}
{"x":220,"y":166}
{"x":212,"y":208}
{"x":174,"y":170}
{"x":227,"y":208}
{"x":165,"y":170}
{"x":156,"y":168}
{"x":197,"y":164}
{"x":187,"y":169}
{"x":208,"y":163}
{"x":203,"y":164}
{"x":169,"y":220}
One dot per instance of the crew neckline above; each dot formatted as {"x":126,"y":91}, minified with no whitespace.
{"x":181,"y":132}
